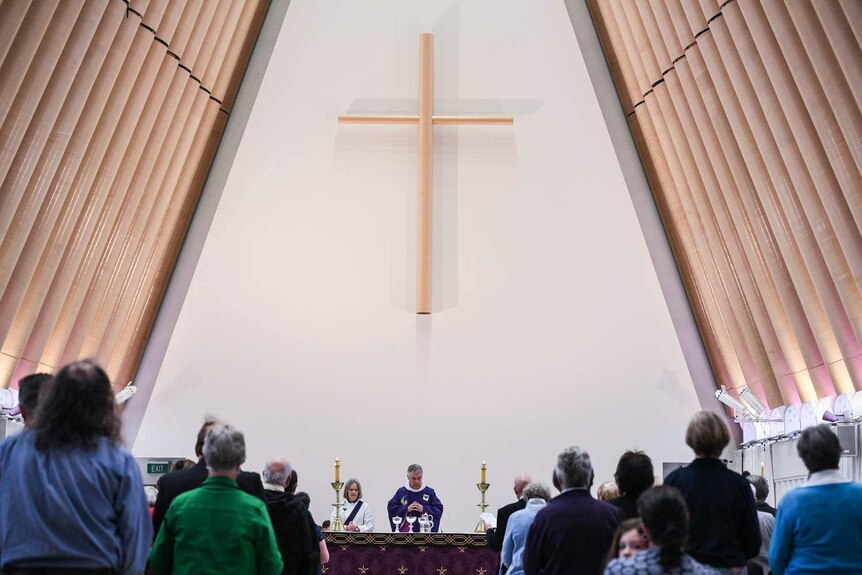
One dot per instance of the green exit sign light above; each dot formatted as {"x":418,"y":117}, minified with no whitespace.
{"x":156,"y":467}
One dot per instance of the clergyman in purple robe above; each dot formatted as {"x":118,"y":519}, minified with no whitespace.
{"x":415,"y":499}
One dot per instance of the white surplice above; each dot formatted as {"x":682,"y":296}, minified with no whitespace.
{"x":364,"y":517}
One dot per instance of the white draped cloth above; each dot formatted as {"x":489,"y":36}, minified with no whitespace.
{"x":364,"y":519}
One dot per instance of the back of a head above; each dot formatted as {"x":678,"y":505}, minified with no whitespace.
{"x":537,"y":491}
{"x":76,"y":407}
{"x":209,"y":422}
{"x":607,"y":490}
{"x":707,"y":434}
{"x":761,"y":486}
{"x":28,"y":392}
{"x":574,"y":468}
{"x":819,"y":448}
{"x":522,"y":480}
{"x":182,"y":464}
{"x":665,"y":515}
{"x":224,"y":449}
{"x":304,"y":498}
{"x":634,"y":473}
{"x":277,"y":471}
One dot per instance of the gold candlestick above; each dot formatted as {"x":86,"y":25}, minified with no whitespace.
{"x":483,"y":487}
{"x":337,"y":525}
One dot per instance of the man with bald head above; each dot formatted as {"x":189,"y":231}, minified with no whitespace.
{"x":291,"y":521}
{"x":496,"y":535}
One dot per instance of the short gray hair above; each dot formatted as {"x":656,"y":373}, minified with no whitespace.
{"x":277,"y":471}
{"x":414,"y":467}
{"x":224,"y":448}
{"x":574,"y":468}
{"x":537,"y":491}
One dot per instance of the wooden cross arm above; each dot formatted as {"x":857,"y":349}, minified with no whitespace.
{"x":476,"y":120}
{"x":354,"y":119}
{"x":447,"y":120}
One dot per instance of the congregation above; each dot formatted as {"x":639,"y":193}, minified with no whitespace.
{"x":72,"y":501}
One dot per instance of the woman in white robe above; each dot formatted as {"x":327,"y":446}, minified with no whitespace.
{"x":363,"y":520}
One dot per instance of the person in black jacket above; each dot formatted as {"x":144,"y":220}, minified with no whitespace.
{"x":725,"y":531}
{"x":177,"y":482}
{"x":497,"y":534}
{"x":291,"y":521}
{"x":634,"y":475}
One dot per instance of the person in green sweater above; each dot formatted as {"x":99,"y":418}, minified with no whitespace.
{"x":217,"y":528}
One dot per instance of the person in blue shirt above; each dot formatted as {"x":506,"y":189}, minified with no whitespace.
{"x":71,"y":498}
{"x":818,"y":527}
{"x":537,"y":496}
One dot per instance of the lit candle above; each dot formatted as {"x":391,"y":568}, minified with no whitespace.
{"x":337,"y":470}
{"x":762,"y":469}
{"x":484,"y":471}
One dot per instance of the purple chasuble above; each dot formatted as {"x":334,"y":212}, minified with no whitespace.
{"x":397,"y":506}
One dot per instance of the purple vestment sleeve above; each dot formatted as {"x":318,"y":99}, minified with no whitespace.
{"x":434,"y":508}
{"x":395,"y":508}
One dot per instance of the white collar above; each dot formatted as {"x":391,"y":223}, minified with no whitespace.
{"x":273,"y":487}
{"x":421,"y":488}
{"x":536,"y":502}
{"x":567,"y":489}
{"x":825,"y":477}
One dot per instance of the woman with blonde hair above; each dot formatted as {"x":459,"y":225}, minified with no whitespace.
{"x":607,"y":491}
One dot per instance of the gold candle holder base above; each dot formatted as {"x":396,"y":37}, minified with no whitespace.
{"x":482,"y":526}
{"x":337,"y":525}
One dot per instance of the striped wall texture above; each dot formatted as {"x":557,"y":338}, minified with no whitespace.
{"x":110,"y":115}
{"x":747,"y":115}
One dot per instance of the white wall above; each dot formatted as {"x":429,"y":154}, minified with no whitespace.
{"x":549,"y":330}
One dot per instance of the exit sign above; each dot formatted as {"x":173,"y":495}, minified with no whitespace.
{"x":156,"y":467}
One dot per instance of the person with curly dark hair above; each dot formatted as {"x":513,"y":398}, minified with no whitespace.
{"x":71,"y":498}
{"x":664,"y":518}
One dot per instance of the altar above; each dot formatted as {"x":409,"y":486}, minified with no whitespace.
{"x":409,"y":554}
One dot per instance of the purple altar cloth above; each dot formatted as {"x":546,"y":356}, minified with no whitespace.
{"x":409,"y":554}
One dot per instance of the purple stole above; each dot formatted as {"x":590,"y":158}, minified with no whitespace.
{"x":353,"y":513}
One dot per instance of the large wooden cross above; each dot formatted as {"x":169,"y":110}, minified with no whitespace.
{"x":426,"y":119}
